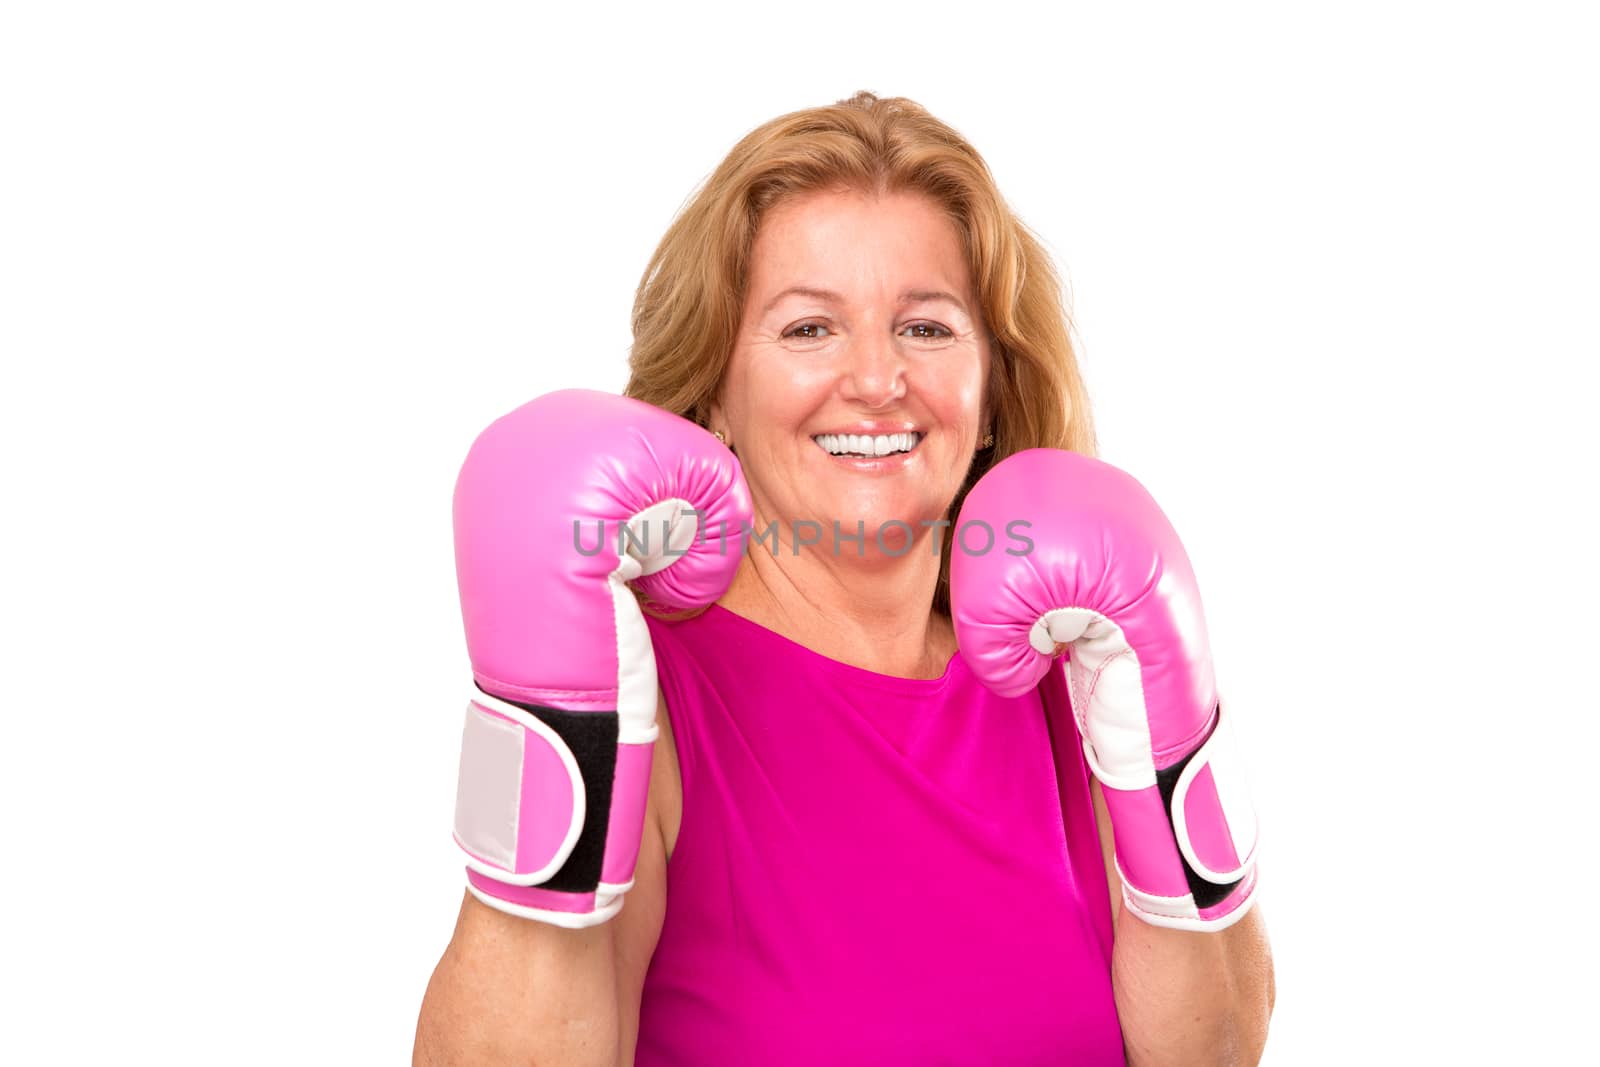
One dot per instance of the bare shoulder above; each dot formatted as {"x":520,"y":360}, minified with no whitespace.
{"x":644,"y":908}
{"x":666,"y":779}
{"x":1108,"y":852}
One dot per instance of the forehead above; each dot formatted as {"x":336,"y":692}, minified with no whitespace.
{"x":837,"y":237}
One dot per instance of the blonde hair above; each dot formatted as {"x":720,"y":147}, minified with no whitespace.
{"x":688,"y":308}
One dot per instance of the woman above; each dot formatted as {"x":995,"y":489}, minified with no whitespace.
{"x":852,"y":848}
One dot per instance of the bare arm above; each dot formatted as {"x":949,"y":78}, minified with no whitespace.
{"x":1184,"y":997}
{"x":510,"y":990}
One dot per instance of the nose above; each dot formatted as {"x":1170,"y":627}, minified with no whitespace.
{"x":874,"y":373}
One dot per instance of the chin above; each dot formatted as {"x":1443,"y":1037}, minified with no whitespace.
{"x":877,"y":512}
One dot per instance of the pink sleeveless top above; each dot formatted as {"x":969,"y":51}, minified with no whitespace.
{"x":870,"y":869}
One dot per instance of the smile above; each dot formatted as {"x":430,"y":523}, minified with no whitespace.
{"x":867,"y":446}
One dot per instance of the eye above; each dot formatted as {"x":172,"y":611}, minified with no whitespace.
{"x":794,"y":331}
{"x":938,"y":336}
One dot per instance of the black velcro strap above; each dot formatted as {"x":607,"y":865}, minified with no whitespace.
{"x":592,"y":737}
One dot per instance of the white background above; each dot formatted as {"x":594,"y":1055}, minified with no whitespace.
{"x":267,"y":269}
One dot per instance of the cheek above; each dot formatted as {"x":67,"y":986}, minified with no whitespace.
{"x":953,"y":394}
{"x":779,"y":394}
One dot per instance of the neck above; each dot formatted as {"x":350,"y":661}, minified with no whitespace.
{"x":873,"y":612}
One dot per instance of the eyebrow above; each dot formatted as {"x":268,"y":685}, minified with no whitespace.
{"x":909,"y":296}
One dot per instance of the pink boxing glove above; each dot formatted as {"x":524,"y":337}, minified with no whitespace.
{"x":558,"y":507}
{"x":1107,"y":576}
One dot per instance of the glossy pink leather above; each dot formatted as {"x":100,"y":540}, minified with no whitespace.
{"x":539,"y":507}
{"x":1101,"y":544}
{"x":537,"y":612}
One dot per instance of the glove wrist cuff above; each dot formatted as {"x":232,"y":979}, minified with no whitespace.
{"x":1186,"y":846}
{"x":550,"y":808}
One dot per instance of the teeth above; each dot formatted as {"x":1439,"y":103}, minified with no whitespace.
{"x":841,"y":444}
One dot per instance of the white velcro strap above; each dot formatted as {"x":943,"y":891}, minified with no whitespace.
{"x":520,"y":800}
{"x":1220,"y":753}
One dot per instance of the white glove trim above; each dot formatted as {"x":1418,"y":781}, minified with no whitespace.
{"x":604,"y":908}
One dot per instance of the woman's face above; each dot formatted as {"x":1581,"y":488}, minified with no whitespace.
{"x":860,"y":321}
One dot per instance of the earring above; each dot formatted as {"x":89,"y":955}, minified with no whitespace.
{"x":988,"y":440}
{"x":719,"y":436}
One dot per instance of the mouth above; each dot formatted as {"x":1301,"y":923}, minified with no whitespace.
{"x":849,"y":446}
